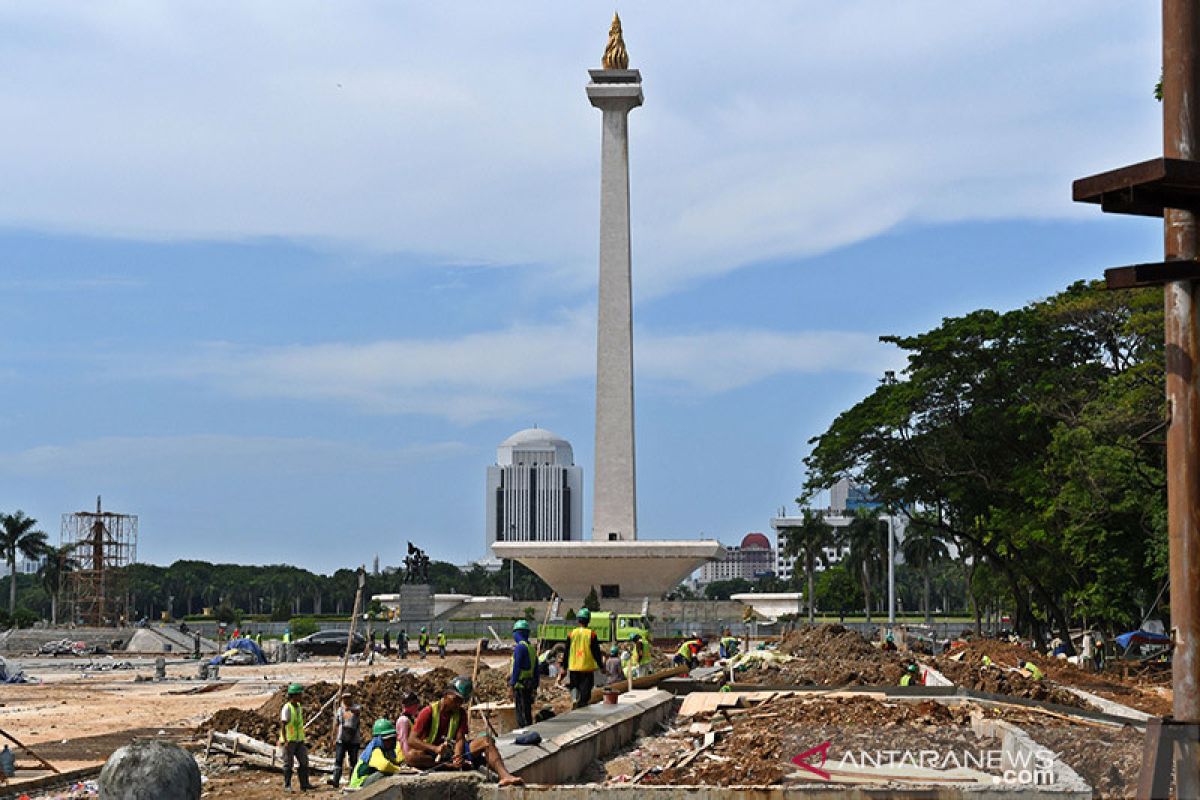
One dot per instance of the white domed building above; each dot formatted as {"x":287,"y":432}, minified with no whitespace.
{"x":534,"y":490}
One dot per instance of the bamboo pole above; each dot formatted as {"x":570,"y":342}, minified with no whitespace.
{"x":41,"y":760}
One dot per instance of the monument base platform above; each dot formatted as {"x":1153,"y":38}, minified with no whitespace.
{"x":616,"y":569}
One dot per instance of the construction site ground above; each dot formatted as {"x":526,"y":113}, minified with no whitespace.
{"x":78,"y":714}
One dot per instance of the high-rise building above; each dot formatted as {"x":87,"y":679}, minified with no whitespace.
{"x":534,"y":490}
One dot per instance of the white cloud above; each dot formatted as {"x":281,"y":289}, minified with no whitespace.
{"x":504,"y":373}
{"x":161,"y":459}
{"x":462,"y":131}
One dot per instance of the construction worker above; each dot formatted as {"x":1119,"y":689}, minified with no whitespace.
{"x":523,"y":682}
{"x":912,"y":676}
{"x":550,"y":662}
{"x":402,"y":643}
{"x":291,"y":738}
{"x":889,"y":642}
{"x":441,"y":642}
{"x":410,"y":706}
{"x":346,"y":739}
{"x":423,"y":642}
{"x":381,"y":757}
{"x":439,"y":736}
{"x":1033,"y":669}
{"x":688,"y":653}
{"x":637,"y":655}
{"x":612,"y":666}
{"x":986,"y":661}
{"x":728,"y":645}
{"x":583,"y":659}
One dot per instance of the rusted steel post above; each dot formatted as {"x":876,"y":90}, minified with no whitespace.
{"x":1181,"y":118}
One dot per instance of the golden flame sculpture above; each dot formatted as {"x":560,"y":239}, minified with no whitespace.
{"x":615,"y":56}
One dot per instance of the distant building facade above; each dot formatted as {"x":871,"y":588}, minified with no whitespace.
{"x":845,"y":498}
{"x":754,"y":558}
{"x":534,"y":490}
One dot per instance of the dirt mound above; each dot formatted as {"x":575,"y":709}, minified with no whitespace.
{"x":250,"y":723}
{"x":830,"y":655}
{"x":1141,"y":695}
{"x":999,"y":680}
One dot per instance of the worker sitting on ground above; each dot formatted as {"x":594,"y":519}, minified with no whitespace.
{"x":612,"y":666}
{"x":688,"y":653}
{"x":583,"y":659}
{"x":441,"y":642}
{"x":986,"y":661}
{"x":728,"y":645}
{"x":410,"y":706}
{"x":439,"y":737}
{"x":291,"y":738}
{"x":423,"y":642}
{"x":382,"y":756}
{"x":523,"y":682}
{"x":1033,"y":669}
{"x":912,"y":676}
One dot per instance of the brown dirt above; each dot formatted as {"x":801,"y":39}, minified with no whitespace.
{"x":830,"y":655}
{"x":759,"y":747}
{"x":1138,"y":692}
{"x":998,"y":680}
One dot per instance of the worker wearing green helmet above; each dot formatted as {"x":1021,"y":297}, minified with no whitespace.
{"x":381,"y":757}
{"x":583,"y":659}
{"x":423,"y":642}
{"x":523,"y":682}
{"x":291,"y":738}
{"x":439,"y":736}
{"x":441,"y":642}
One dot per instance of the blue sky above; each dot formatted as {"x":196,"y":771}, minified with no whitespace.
{"x":279,"y":280}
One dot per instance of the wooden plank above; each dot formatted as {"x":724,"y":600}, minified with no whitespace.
{"x":1153,"y":274}
{"x":1143,"y":189}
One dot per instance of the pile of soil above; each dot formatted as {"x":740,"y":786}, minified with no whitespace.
{"x":1109,"y":760}
{"x":999,"y":680}
{"x":1135,"y":692}
{"x":830,"y":655}
{"x":759,"y":747}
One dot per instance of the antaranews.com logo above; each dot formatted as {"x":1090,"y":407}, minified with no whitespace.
{"x":1012,"y":769}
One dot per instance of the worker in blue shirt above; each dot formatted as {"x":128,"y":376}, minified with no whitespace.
{"x":523,"y":683}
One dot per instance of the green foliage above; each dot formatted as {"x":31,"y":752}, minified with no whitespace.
{"x":1030,"y":438}
{"x":592,"y":601}
{"x":281,"y":612}
{"x":722,"y":590}
{"x":838,"y":591}
{"x":303,"y":626}
{"x":25,"y":617}
{"x":529,"y":613}
{"x":570,"y":615}
{"x":227,"y":614}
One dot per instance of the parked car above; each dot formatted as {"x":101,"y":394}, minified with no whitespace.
{"x":329,"y":643}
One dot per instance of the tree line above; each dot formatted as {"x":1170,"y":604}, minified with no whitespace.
{"x":1033,"y":441}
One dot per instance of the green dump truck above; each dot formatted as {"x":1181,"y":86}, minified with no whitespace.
{"x":602,"y":623}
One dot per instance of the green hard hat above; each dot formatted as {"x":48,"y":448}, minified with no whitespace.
{"x":521,"y":625}
{"x":441,"y":630}
{"x":295,"y":688}
{"x":422,"y":629}
{"x":461,"y":686}
{"x":635,"y":636}
{"x":383,"y":727}
{"x":612,"y":651}
{"x":912,"y":667}
{"x":583,"y":614}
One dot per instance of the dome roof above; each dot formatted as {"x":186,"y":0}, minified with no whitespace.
{"x":535,"y":437}
{"x":756,"y":540}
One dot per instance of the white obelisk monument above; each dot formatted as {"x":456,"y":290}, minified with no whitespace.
{"x":615,"y":90}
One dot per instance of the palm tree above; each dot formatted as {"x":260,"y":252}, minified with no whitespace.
{"x":57,"y":566}
{"x":866,"y":541}
{"x":924,"y":547}
{"x":807,"y":544}
{"x":17,"y":535}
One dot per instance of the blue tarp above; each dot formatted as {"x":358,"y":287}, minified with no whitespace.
{"x":246,"y":646}
{"x":1141,"y":637}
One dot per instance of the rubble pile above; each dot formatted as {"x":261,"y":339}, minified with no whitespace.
{"x":828,"y":655}
{"x":1133,"y":692}
{"x":1001,"y":679}
{"x":755,"y":745}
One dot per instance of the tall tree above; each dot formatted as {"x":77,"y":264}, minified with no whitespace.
{"x":924,"y":547}
{"x":866,"y":541}
{"x":806,"y":543}
{"x":59,"y":564}
{"x":18,"y":535}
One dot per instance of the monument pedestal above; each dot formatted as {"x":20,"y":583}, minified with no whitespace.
{"x":416,"y":602}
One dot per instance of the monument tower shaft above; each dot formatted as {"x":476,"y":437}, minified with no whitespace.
{"x":615,"y":90}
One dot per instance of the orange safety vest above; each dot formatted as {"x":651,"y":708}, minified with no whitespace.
{"x":582,"y":659}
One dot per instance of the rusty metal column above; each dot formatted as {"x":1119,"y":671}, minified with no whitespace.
{"x":1181,"y":116}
